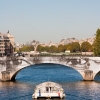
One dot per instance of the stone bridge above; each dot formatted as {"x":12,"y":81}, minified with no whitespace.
{"x":88,"y":67}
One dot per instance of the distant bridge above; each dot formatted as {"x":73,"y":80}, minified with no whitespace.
{"x":88,"y":67}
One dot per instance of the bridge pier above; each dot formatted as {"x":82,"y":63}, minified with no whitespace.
{"x":5,"y":76}
{"x":88,"y":75}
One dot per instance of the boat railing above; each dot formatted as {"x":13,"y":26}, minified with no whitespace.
{"x":52,"y":91}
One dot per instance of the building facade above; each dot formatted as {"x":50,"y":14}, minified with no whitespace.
{"x":6,"y":44}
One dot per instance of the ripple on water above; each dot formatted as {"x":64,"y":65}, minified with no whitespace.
{"x":71,"y":80}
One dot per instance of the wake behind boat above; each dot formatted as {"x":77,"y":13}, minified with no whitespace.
{"x":48,"y":90}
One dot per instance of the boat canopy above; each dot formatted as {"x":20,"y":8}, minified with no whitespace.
{"x":48,"y":87}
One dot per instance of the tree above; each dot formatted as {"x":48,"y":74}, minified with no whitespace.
{"x":60,"y":48}
{"x":52,"y":49}
{"x":40,"y":48}
{"x":68,"y":47}
{"x":47,"y":48}
{"x":86,"y":47}
{"x":75,"y":47}
{"x":96,"y":44}
{"x":26,"y":48}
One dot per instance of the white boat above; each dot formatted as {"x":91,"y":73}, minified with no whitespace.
{"x":48,"y":90}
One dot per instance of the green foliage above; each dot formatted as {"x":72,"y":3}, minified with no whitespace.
{"x":68,"y":46}
{"x":96,"y":44}
{"x":40,"y":48}
{"x":86,"y":47}
{"x":60,"y":48}
{"x":27,"y":48}
{"x":46,"y":48}
{"x":52,"y":49}
{"x":75,"y":47}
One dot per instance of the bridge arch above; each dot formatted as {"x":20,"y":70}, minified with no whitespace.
{"x":96,"y":74}
{"x":16,"y":72}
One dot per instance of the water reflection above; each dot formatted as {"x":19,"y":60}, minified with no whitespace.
{"x":49,"y":99}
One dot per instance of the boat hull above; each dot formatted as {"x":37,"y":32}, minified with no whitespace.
{"x":48,"y":95}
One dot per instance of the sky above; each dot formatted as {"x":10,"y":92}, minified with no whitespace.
{"x":49,"y":20}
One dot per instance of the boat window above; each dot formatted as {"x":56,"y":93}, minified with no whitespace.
{"x":47,"y":89}
{"x":50,"y":88}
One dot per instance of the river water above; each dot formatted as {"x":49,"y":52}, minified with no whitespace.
{"x":74,"y":86}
